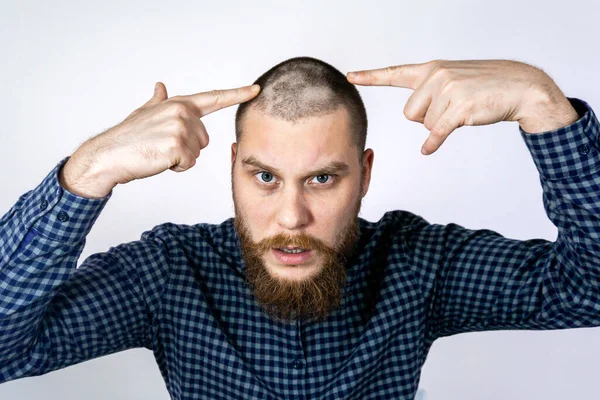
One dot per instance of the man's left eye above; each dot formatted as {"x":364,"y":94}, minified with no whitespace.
{"x":323,"y":178}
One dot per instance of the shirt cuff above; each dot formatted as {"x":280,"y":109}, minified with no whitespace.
{"x":568,"y":151}
{"x":59,"y":214}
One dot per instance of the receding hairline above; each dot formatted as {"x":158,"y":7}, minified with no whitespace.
{"x":252,"y":112}
{"x":304,"y":87}
{"x":256,"y":110}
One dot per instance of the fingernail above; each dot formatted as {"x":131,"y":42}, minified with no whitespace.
{"x":423,"y":151}
{"x":254,"y":88}
{"x":352,"y":75}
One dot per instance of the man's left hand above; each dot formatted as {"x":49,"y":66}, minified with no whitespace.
{"x":450,"y":94}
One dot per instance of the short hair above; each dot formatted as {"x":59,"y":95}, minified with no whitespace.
{"x":302,"y":87}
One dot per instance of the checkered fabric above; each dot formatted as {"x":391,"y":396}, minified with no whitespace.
{"x":180,"y":291}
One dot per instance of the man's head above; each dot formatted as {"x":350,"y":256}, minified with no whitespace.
{"x":297,"y":183}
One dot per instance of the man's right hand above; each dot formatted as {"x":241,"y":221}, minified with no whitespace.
{"x":162,"y":134}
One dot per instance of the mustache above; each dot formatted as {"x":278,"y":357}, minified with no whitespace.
{"x":302,"y":240}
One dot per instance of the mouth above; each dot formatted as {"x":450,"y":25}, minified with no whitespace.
{"x":293,"y":256}
{"x":292,"y":250}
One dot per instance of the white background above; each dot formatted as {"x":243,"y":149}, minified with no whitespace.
{"x":69,"y":70}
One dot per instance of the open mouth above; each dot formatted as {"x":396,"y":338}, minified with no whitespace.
{"x":293,"y":256}
{"x":292,"y":250}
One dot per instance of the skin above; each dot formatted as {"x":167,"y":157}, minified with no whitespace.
{"x":290,"y":202}
{"x":166,"y":133}
{"x":450,"y":94}
{"x":292,"y":207}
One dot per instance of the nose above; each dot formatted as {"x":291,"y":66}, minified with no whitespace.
{"x":292,"y":212}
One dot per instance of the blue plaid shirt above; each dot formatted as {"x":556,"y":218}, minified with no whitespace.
{"x":180,"y":291}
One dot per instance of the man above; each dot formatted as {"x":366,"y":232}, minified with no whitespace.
{"x":297,"y":297}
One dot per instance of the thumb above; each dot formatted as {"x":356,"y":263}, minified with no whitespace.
{"x":160,"y":95}
{"x":160,"y":92}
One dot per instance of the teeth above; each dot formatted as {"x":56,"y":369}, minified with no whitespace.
{"x":294,"y":251}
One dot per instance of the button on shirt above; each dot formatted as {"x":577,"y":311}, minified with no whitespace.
{"x":180,"y":291}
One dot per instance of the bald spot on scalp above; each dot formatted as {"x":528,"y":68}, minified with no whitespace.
{"x":292,"y":96}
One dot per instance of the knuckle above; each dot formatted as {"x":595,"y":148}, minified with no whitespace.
{"x":179,"y":109}
{"x":441,"y":71}
{"x":469,"y":118}
{"x":436,"y":63}
{"x":440,"y":128}
{"x":450,"y":85}
{"x":217,"y":95}
{"x":175,"y":143}
{"x":178,"y":127}
{"x":391,"y":70}
{"x":239,"y":94}
{"x":428,"y":123}
{"x":190,"y":164}
{"x":204,"y":140}
{"x":437,"y":131}
{"x":181,"y":165}
{"x":187,"y":160}
{"x":410,"y":113}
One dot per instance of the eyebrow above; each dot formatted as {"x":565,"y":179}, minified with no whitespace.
{"x":334,"y":167}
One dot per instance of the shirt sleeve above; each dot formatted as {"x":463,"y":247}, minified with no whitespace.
{"x":478,"y":280}
{"x":53,"y":314}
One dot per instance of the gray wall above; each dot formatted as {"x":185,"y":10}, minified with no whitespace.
{"x":70,"y":70}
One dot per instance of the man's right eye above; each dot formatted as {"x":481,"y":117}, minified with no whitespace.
{"x":265,"y":177}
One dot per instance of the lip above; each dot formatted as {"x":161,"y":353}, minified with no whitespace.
{"x":292,"y":259}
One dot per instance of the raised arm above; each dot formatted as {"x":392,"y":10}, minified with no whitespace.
{"x":479,"y":280}
{"x":53,"y":314}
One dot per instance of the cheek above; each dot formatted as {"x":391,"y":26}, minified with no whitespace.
{"x":333,"y":213}
{"x":253,"y":207}
{"x":328,"y":211}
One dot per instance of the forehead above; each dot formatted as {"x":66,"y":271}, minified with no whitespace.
{"x":305,"y":141}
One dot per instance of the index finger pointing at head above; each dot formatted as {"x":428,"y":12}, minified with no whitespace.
{"x":208,"y":102}
{"x":407,"y":76}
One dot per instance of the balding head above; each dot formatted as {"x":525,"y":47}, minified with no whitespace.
{"x":305,"y":87}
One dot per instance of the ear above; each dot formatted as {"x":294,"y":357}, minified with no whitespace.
{"x":233,"y":152}
{"x":367,"y":167}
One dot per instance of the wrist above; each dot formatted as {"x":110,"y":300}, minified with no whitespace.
{"x":546,"y":109}
{"x":82,"y":176}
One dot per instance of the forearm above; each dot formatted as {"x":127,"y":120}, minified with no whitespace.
{"x":568,"y":162}
{"x":41,"y":239}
